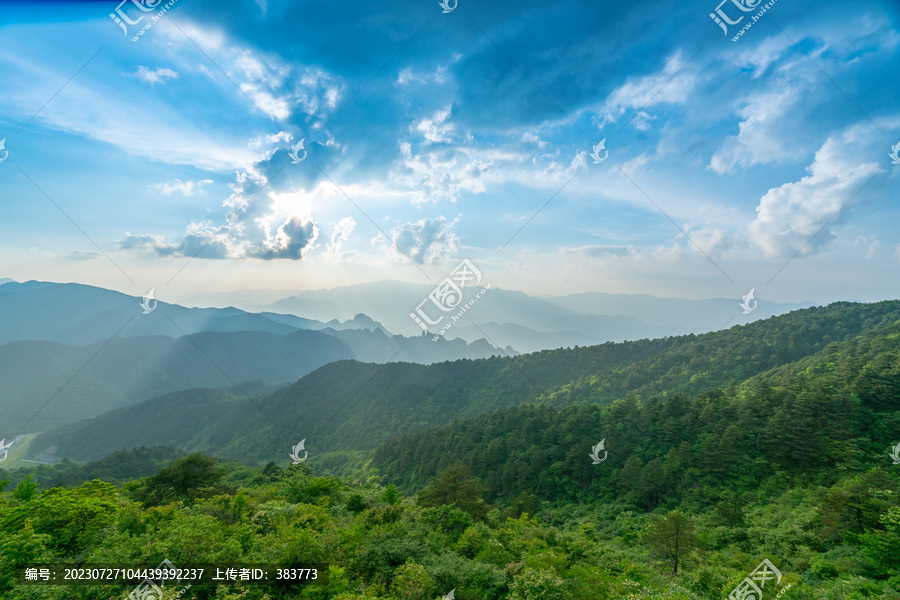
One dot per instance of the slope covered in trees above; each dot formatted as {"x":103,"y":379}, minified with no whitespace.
{"x":832,"y":413}
{"x":350,"y":407}
{"x":697,"y":489}
{"x":829,"y":542}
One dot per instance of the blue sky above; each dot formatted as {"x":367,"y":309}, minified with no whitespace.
{"x":433,"y":137}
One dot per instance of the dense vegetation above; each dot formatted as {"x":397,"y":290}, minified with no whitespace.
{"x":835,"y":412}
{"x":345,"y":409}
{"x":788,"y":462}
{"x":84,"y":381}
{"x":116,"y":468}
{"x":835,"y":542}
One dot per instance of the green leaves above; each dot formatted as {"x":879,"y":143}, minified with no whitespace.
{"x":672,"y":538}
{"x":185,"y":480}
{"x":454,"y":485}
{"x":26,"y":490}
{"x":74,"y":519}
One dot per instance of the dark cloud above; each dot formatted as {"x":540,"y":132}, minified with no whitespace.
{"x":294,"y":236}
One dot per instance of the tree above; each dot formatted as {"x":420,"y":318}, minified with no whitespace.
{"x":533,"y":584}
{"x":391,"y":495}
{"x":454,"y":485}
{"x":451,"y":520}
{"x":883,"y":546}
{"x":185,"y":480}
{"x":412,"y":582}
{"x":628,"y":476}
{"x":672,"y":537}
{"x":651,"y":484}
{"x":26,"y":489}
{"x":18,"y":549}
{"x":73,"y":518}
{"x":356,"y":504}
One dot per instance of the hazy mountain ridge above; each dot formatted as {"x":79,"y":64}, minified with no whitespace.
{"x":349,"y":406}
{"x":79,"y":314}
{"x":84,"y":381}
{"x":87,"y":350}
{"x":825,"y":413}
{"x":529,"y":323}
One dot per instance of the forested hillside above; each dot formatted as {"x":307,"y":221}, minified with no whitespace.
{"x":79,"y":382}
{"x":349,"y":407}
{"x":829,"y":542}
{"x":690,"y":492}
{"x":816,"y":419}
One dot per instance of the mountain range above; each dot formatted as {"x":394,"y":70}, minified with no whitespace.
{"x":71,"y":351}
{"x":515,"y":319}
{"x":351,"y":407}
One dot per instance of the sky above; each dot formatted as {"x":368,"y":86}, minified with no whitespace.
{"x":562,"y":147}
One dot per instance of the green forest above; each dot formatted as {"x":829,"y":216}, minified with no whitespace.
{"x":771,"y":441}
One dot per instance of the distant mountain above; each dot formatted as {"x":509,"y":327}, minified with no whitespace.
{"x":689,"y":315}
{"x":510,"y":318}
{"x":527,"y":323}
{"x":314,"y":309}
{"x":117,"y":468}
{"x":360,"y":321}
{"x":572,"y":330}
{"x":391,"y":302}
{"x":351,"y":407}
{"x":6,"y":280}
{"x":186,"y":415}
{"x":521,"y":338}
{"x":84,"y":381}
{"x":77,"y":314}
{"x":72,"y":313}
{"x":832,"y":411}
{"x":76,"y":382}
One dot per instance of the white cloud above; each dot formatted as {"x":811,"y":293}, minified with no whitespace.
{"x":409,"y":75}
{"x":531,"y":138}
{"x":342,"y":231}
{"x":869,"y":242}
{"x":598,"y":250}
{"x":761,"y":136}
{"x":440,"y":175}
{"x":435,"y":129}
{"x":426,"y":241}
{"x":186,"y":188}
{"x":273,"y":226}
{"x":672,"y":85}
{"x":711,"y":240}
{"x":152,"y":76}
{"x":790,"y":215}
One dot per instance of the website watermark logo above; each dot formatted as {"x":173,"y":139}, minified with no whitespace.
{"x":143,"y":6}
{"x":596,"y":153}
{"x":895,"y":153}
{"x":751,"y":588}
{"x":148,"y":590}
{"x":723,"y":19}
{"x":4,"y":449}
{"x":449,"y":596}
{"x":445,"y":4}
{"x":895,"y":454}
{"x":6,"y":152}
{"x":295,"y":159}
{"x":295,"y":452}
{"x":595,"y":453}
{"x":447,"y":297}
{"x":147,"y":300}
{"x":746,"y":303}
